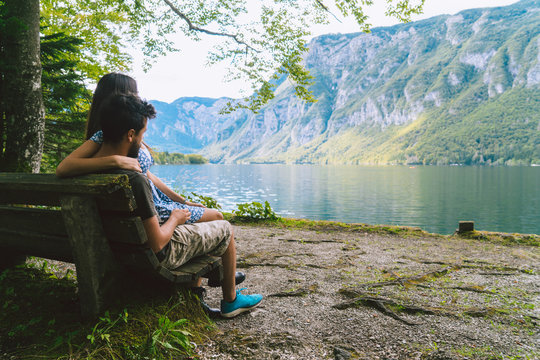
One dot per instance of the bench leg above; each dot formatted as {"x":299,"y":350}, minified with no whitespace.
{"x":93,"y":257}
{"x":215,"y":275}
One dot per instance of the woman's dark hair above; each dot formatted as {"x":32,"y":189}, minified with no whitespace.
{"x":110,"y":84}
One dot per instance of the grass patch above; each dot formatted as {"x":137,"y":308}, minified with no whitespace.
{"x":40,"y":320}
{"x":402,"y":231}
{"x":323,"y":225}
{"x":503,"y":238}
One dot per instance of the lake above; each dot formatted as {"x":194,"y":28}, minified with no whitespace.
{"x":434,"y":198}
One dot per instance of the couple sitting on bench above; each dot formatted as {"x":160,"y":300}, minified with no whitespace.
{"x":123,"y":121}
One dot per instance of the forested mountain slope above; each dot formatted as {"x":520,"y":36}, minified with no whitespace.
{"x":450,"y":89}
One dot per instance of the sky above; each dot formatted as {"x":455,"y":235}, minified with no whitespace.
{"x":185,"y":74}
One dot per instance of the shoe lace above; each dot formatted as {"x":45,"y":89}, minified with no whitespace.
{"x":240,"y":291}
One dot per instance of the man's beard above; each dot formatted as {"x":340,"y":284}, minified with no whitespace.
{"x":134,"y":150}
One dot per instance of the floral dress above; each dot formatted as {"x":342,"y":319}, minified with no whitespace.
{"x":164,"y":205}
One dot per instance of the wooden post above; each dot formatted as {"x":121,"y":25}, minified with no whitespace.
{"x":94,"y":260}
{"x":465,"y":226}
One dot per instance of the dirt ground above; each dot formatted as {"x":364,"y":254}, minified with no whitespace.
{"x":341,"y":294}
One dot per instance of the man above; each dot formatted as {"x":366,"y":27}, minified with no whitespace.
{"x":123,"y":122}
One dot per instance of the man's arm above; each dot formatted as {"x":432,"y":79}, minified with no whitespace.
{"x":159,"y":236}
{"x":81,"y":162}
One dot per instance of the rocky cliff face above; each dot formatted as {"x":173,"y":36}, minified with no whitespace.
{"x":450,"y":89}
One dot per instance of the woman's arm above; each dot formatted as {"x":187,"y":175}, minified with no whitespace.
{"x":167,"y":191}
{"x":80,"y":161}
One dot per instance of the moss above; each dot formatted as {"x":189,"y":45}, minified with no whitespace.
{"x":503,"y":238}
{"x":326,"y":226}
{"x":402,"y":231}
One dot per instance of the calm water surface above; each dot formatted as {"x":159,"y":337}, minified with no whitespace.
{"x":434,"y":198}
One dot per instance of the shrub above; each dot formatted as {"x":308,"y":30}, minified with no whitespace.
{"x":207,"y":201}
{"x":255,"y":211}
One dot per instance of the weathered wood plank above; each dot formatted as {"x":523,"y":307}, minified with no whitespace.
{"x":94,"y":184}
{"x":195,"y":268}
{"x":50,"y":222}
{"x":120,"y":200}
{"x":139,"y":257}
{"x":178,"y":277}
{"x":198,"y":265}
{"x":112,"y":191}
{"x":121,"y":229}
{"x":45,"y":221}
{"x":36,"y":244}
{"x":192,"y":270}
{"x":93,"y":257}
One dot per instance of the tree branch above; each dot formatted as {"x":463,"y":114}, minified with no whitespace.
{"x":209,"y":32}
{"x":327,"y":9}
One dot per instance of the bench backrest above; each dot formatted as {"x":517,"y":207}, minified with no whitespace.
{"x":86,"y":220}
{"x":41,"y":229}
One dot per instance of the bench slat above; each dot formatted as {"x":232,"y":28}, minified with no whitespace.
{"x":35,"y":244}
{"x":111,"y":191}
{"x":128,"y":230}
{"x":120,"y":200}
{"x":139,"y":257}
{"x":94,"y":184}
{"x":192,"y":270}
{"x":45,"y":221}
{"x":198,"y":265}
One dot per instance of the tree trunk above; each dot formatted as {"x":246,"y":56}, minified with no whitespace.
{"x":22,"y":109}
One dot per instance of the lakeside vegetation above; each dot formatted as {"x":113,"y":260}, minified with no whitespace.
{"x":166,"y":158}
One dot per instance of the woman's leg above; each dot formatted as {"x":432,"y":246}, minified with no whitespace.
{"x":210,"y":215}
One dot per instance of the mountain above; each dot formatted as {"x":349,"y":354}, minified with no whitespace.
{"x":189,"y":124}
{"x":450,"y":89}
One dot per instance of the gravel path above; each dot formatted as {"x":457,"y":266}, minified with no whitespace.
{"x":342,"y":294}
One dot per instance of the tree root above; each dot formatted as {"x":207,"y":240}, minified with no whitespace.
{"x":311,"y":241}
{"x":411,"y":280}
{"x":474,"y":288}
{"x":383,"y":305}
{"x":246,"y":264}
{"x":478,"y":264}
{"x":303,"y":291}
{"x":315,"y":266}
{"x":497,"y":274}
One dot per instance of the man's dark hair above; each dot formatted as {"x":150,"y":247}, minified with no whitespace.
{"x":120,"y":113}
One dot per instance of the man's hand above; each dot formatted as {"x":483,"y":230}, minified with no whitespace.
{"x":180,"y":215}
{"x":194,"y":204}
{"x":127,"y":163}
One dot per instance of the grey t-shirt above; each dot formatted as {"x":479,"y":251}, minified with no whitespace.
{"x":141,"y":191}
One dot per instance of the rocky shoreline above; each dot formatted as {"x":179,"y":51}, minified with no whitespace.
{"x":354,"y":293}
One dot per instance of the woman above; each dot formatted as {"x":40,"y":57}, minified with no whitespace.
{"x":80,"y":161}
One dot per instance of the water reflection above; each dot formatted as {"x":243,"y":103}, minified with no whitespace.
{"x":433,"y":198}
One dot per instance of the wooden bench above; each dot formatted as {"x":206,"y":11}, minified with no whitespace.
{"x":86,"y":221}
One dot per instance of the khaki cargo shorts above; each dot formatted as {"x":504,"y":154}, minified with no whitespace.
{"x":191,"y":240}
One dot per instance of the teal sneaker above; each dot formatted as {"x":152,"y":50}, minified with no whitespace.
{"x":241,"y":304}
